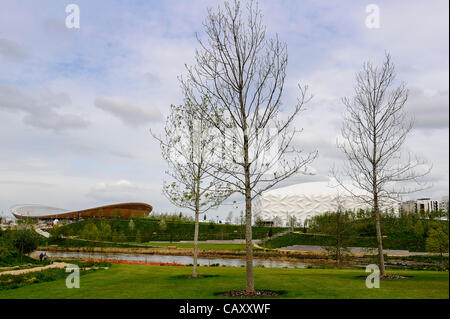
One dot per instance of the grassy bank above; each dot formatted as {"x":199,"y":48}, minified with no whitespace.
{"x":135,"y":281}
{"x":390,"y":242}
{"x":68,"y":242}
{"x":147,"y":229}
{"x":204,"y":246}
{"x":14,"y":281}
{"x":11,"y":261}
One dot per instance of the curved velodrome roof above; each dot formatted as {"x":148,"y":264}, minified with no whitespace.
{"x":108,"y":211}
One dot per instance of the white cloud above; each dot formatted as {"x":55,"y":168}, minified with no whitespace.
{"x":124,"y":191}
{"x":128,"y":111}
{"x":40,"y":111}
{"x":127,"y":59}
{"x":12,"y":51}
{"x":429,"y":109}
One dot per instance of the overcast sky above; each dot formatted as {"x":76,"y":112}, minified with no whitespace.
{"x":76,"y":105}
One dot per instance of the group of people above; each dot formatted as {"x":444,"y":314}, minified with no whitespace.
{"x":43,"y":256}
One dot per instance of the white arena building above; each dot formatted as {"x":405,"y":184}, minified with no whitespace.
{"x":306,"y":200}
{"x":32,"y":210}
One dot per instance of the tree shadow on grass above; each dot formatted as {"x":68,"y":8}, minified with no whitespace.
{"x":388,"y":277}
{"x":244,"y":294}
{"x":200,"y":276}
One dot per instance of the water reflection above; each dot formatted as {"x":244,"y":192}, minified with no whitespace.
{"x":184,"y":260}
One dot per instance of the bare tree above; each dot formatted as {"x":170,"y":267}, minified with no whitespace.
{"x":229,"y":217}
{"x":337,"y":225}
{"x":186,"y":146}
{"x":243,"y":72}
{"x":374,"y":130}
{"x":277,"y":221}
{"x":292,"y":222}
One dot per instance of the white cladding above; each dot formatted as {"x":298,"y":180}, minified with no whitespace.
{"x":306,"y":200}
{"x":36,"y":210}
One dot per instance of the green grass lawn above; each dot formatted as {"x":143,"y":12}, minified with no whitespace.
{"x":136,"y":281}
{"x":86,"y":243}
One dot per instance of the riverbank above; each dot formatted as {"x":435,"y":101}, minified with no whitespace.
{"x":211,"y":253}
{"x":312,"y":259}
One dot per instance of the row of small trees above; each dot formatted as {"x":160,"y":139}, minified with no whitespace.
{"x":18,"y":241}
{"x":343,"y":226}
{"x":231,"y":135}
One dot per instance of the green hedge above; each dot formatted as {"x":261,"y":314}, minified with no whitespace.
{"x":146,"y":230}
{"x":402,"y":240}
{"x":291,"y":239}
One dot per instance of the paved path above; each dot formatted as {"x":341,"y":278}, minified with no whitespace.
{"x":42,"y":232}
{"x":23,"y":271}
{"x":354,"y":250}
{"x":214,"y":241}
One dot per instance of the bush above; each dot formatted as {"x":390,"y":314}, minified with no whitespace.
{"x":90,"y":232}
{"x":51,"y":274}
{"x":437,"y":241}
{"x":16,"y":281}
{"x":24,"y":240}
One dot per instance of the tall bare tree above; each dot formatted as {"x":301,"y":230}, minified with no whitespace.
{"x":374,"y":131}
{"x":243,"y":73}
{"x":337,"y":225}
{"x":186,"y":146}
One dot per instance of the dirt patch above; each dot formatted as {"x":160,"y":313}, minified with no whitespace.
{"x":388,"y":277}
{"x":393,"y":277}
{"x":256,"y":293}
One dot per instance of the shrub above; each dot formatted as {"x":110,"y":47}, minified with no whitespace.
{"x":90,"y":231}
{"x":24,"y":240}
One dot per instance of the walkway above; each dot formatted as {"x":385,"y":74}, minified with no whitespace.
{"x":353,"y":250}
{"x":23,"y":271}
{"x":41,"y":232}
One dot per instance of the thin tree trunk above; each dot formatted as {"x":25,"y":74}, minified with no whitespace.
{"x":379,"y":239}
{"x":194,"y":273}
{"x":248,"y":230}
{"x":338,"y":252}
{"x":248,"y":242}
{"x":248,"y":205}
{"x":375,"y":199}
{"x":197,"y":212}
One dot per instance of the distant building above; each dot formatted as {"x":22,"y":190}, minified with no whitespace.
{"x":409,"y":206}
{"x":427,"y":205}
{"x":39,"y":212}
{"x":443,"y":205}
{"x":420,"y":205}
{"x":306,"y":200}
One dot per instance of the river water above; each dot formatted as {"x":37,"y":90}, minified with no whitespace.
{"x":184,"y":260}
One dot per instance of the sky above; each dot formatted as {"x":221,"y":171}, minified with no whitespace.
{"x":76,"y":105}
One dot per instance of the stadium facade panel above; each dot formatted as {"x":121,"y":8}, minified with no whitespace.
{"x":306,"y":200}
